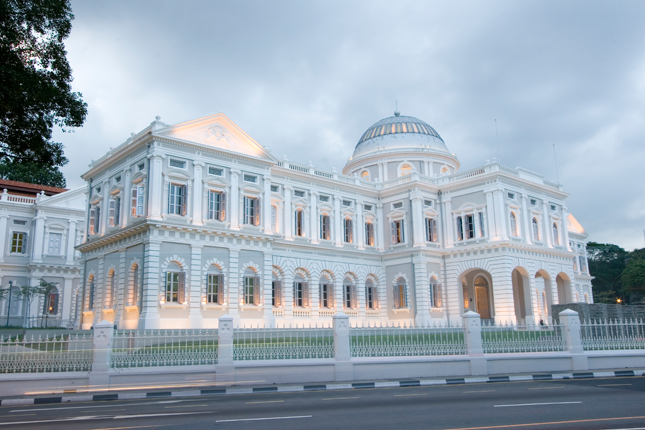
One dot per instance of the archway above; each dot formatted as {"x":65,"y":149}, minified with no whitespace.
{"x":477,"y":292}
{"x":522,"y":294}
{"x":543,"y":283}
{"x":563,"y":284}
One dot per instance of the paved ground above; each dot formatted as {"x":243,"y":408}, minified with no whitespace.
{"x":612,"y":403}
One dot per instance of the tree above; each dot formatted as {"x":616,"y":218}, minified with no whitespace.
{"x":633,"y":276}
{"x":28,"y":294}
{"x":31,"y":172}
{"x":35,"y":81}
{"x":606,"y":264}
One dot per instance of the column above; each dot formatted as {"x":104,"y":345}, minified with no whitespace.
{"x":234,"y":285}
{"x":39,"y":237}
{"x":287,"y":291}
{"x":266,"y":218}
{"x":67,"y":299}
{"x":194,"y":292}
{"x":500,"y":214}
{"x":71,"y":240}
{"x":122,"y":286}
{"x":189,"y":199}
{"x":449,"y":238}
{"x":360,"y":225}
{"x":287,"y":212}
{"x":269,"y":319}
{"x":421,"y":291}
{"x":490,"y":215}
{"x":338,"y":293}
{"x":385,"y":171}
{"x":338,"y":232}
{"x":313,"y":217}
{"x":149,"y":316}
{"x":417,"y":220}
{"x":233,"y":203}
{"x":546,"y":210}
{"x":3,"y":233}
{"x":198,"y":193}
{"x":379,"y":228}
{"x":380,"y":171}
{"x":126,"y":198}
{"x":564,"y":227}
{"x":155,"y":182}
{"x":361,"y":292}
{"x":525,"y":220}
{"x":105,"y":207}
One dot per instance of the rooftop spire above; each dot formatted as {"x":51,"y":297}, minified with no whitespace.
{"x":396,"y":110}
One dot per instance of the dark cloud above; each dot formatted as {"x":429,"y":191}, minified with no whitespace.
{"x":307,"y":78}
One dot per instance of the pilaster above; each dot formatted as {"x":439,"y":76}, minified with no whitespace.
{"x":39,"y":237}
{"x":3,"y":233}
{"x":360,"y":227}
{"x":338,"y":225}
{"x":233,"y":204}
{"x":449,"y":241}
{"x":266,"y":218}
{"x":269,"y":319}
{"x":195,"y":294}
{"x":149,"y":316}
{"x":314,"y":228}
{"x":422,"y":291}
{"x":234,"y":285}
{"x":546,"y":212}
{"x":525,"y":220}
{"x":287,"y":212}
{"x":155,"y":182}
{"x":379,"y":227}
{"x":71,"y":241}
{"x":198,"y":193}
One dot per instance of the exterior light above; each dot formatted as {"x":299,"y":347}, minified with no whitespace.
{"x":618,"y":300}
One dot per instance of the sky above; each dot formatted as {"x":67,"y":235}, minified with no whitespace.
{"x":307,"y":78}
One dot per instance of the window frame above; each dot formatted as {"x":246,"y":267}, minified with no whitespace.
{"x":370,"y":239}
{"x":212,"y":213}
{"x":23,"y":243}
{"x":177,"y":201}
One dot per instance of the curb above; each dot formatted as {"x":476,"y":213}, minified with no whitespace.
{"x":319,"y":387}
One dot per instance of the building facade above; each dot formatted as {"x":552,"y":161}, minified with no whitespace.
{"x":189,"y":222}
{"x":39,"y":228}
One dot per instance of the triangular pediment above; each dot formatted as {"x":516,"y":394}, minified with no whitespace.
{"x":218,"y":132}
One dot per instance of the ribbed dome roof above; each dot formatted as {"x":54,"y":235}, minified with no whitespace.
{"x":404,"y":132}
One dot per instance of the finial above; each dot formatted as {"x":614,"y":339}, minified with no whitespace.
{"x":396,"y":110}
{"x":157,"y":118}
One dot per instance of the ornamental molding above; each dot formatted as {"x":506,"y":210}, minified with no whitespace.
{"x":215,"y":262}
{"x":174,"y":259}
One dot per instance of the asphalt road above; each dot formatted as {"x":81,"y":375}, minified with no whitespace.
{"x":612,"y":403}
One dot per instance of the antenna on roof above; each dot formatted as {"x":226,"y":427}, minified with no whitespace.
{"x":499,"y":158}
{"x":555,"y":158}
{"x":396,"y":109}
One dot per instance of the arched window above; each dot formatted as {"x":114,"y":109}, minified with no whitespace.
{"x":513,"y":221}
{"x":435,"y":293}
{"x":300,"y":292}
{"x":349,"y":294}
{"x":371,"y":296}
{"x":214,"y":285}
{"x":365,"y":175}
{"x":251,"y":287}
{"x":536,"y":229}
{"x":175,"y":284}
{"x":405,"y":169}
{"x":276,"y":291}
{"x":110,"y":292}
{"x":51,"y":302}
{"x":300,"y":223}
{"x":586,"y":298}
{"x":349,"y":231}
{"x":556,"y":235}
{"x":326,"y":293}
{"x":400,"y":294}
{"x":545,"y":307}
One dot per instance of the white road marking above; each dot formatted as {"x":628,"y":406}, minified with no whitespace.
{"x":262,"y":419}
{"x":267,"y":401}
{"x":95,"y":406}
{"x":102,"y":417}
{"x":538,"y":404}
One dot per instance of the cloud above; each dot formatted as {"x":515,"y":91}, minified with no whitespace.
{"x":306,"y":79}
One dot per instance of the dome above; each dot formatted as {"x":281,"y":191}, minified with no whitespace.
{"x":399,"y":132}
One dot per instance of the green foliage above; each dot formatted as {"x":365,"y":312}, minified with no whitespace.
{"x":35,"y":81}
{"x":606,"y":264}
{"x":31,"y":172}
{"x":633,"y":276}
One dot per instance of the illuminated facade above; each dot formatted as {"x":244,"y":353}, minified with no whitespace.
{"x":189,"y":222}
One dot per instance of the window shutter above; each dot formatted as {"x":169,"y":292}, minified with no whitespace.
{"x":55,"y":304}
{"x":320,"y":295}
{"x":222,"y":207}
{"x":305,"y":295}
{"x":256,"y":291}
{"x":184,"y":200}
{"x":258,"y":210}
{"x":351,"y":231}
{"x":354,"y":296}
{"x":181,"y":294}
{"x":434,"y":230}
{"x":393,"y":227}
{"x":278,"y":294}
{"x":322,"y":227}
{"x":111,"y":212}
{"x":402,"y":224}
{"x":92,"y":218}
{"x":46,"y":300}
{"x":133,"y":201}
{"x":220,"y":289}
{"x":375,"y":300}
{"x":397,"y":303}
{"x":295,"y":295}
{"x":437,"y":290}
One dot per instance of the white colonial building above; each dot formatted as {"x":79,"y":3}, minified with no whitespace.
{"x":39,"y":228}
{"x":189,"y":222}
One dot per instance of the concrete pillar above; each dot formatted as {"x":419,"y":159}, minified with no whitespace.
{"x":546,"y":212}
{"x":343,"y":366}
{"x":126,"y":198}
{"x":234,"y":200}
{"x":474,"y":348}
{"x":380,"y":227}
{"x":314,"y":228}
{"x":195,"y":287}
{"x":526,"y":214}
{"x":422,"y":291}
{"x":39,"y":237}
{"x":155,"y":182}
{"x":359,"y":225}
{"x":198,"y":193}
{"x":565,"y":229}
{"x":338,"y":223}
{"x":570,"y":326}
{"x":269,"y":319}
{"x":449,"y":237}
{"x":418,"y":239}
{"x":99,"y":376}
{"x":224,"y":369}
{"x":234,"y":285}
{"x":266,"y":218}
{"x":71,"y":241}
{"x":149,"y":316}
{"x":500,"y":214}
{"x":288,"y":213}
{"x":490,"y":215}
{"x":105,"y":207}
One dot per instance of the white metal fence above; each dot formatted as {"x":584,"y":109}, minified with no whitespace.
{"x":283,"y":343}
{"x":510,"y":338}
{"x":406,"y":341}
{"x":153,"y":348}
{"x":61,"y":353}
{"x":612,"y":335}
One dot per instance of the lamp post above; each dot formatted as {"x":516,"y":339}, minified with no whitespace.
{"x":9,"y":307}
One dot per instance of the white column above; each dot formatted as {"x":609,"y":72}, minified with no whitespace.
{"x":3,"y":233}
{"x":269,"y":319}
{"x":380,"y":227}
{"x":287,"y":212}
{"x":338,"y":227}
{"x":490,"y":215}
{"x":360,"y":227}
{"x":39,"y":236}
{"x":449,"y":238}
{"x":476,"y":223}
{"x":155,"y":182}
{"x":546,"y":210}
{"x":195,"y":287}
{"x":122,"y":286}
{"x":67,"y":299}
{"x":380,"y":171}
{"x":525,"y":220}
{"x":234,"y":285}
{"x":266,"y":218}
{"x":564,"y":227}
{"x":126,"y":198}
{"x":71,"y":241}
{"x":421,"y":291}
{"x":149,"y":315}
{"x":233,"y":203}
{"x":105,"y":207}
{"x":313,"y":217}
{"x":417,"y":220}
{"x":385,"y":171}
{"x":500,"y":214}
{"x":198,"y":193}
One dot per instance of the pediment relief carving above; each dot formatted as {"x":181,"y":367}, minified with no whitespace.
{"x":430,"y":212}
{"x":397,"y":213}
{"x":138,"y":177}
{"x":251,"y":189}
{"x":96,"y":198}
{"x":216,"y":182}
{"x":116,"y":189}
{"x":178,"y":174}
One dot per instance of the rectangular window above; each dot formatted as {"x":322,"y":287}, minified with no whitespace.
{"x":215,"y":290}
{"x":141,"y":166}
{"x":51,"y":303}
{"x":299,"y":193}
{"x":368,"y":207}
{"x":215,"y":171}
{"x":299,"y":225}
{"x":470,"y":227}
{"x":533,"y":202}
{"x":349,"y":296}
{"x":177,"y":163}
{"x":347,"y":203}
{"x":431,"y":230}
{"x":372,"y":298}
{"x":19,"y":222}
{"x":275,"y":188}
{"x":137,"y":201}
{"x":427,"y":202}
{"x":369,"y":234}
{"x":398,"y":234}
{"x":216,"y":205}
{"x":250,"y":178}
{"x":274,"y":218}
{"x":326,"y":296}
{"x":349,"y":231}
{"x":117,"y":179}
{"x":177,"y":199}
{"x":276,"y":293}
{"x":511,"y":196}
{"x":55,"y":240}
{"x":325,"y":227}
{"x":435,"y":295}
{"x":115,"y":211}
{"x":251,"y":211}
{"x":323,"y":198}
{"x":398,"y":205}
{"x":400,"y":298}
{"x":460,"y":228}
{"x":251,"y":291}
{"x":553,"y":208}
{"x":583,"y":264}
{"x":19,"y":242}
{"x":300,"y":295}
{"x":175,"y":287}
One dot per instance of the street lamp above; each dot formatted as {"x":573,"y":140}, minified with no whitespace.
{"x":9,"y":307}
{"x":618,"y":301}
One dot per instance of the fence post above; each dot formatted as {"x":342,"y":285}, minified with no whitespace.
{"x":473,"y":339}
{"x":344,"y":369}
{"x":225,"y":370}
{"x":570,"y":324}
{"x":103,"y":333}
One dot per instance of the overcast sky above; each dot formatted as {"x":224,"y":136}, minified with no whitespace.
{"x":306,"y":79}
